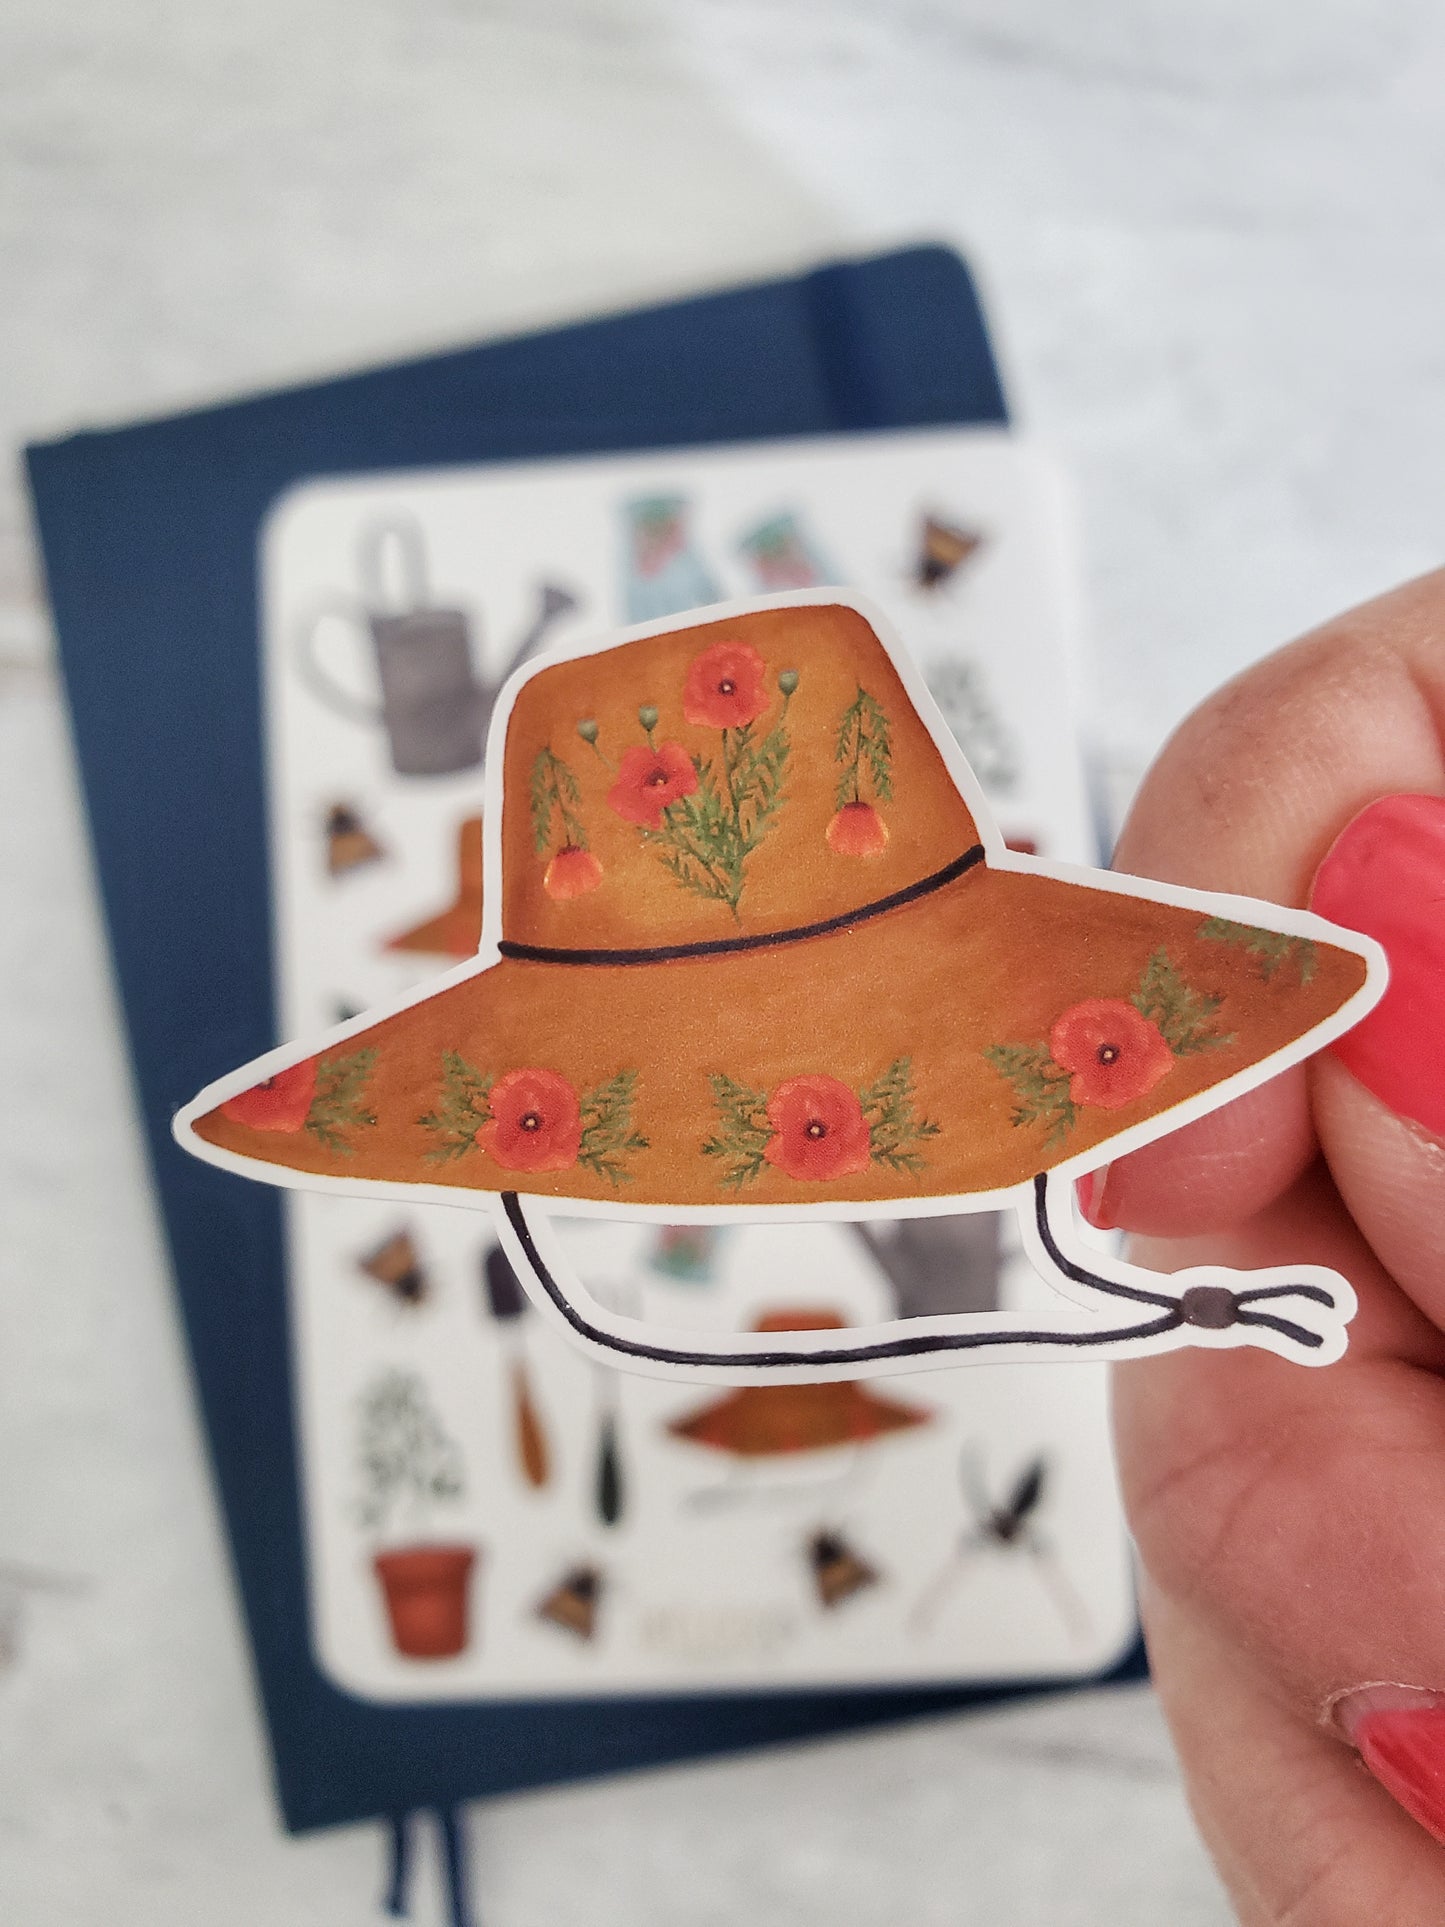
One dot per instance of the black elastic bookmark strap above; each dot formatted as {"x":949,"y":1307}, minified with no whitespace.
{"x":765,"y":940}
{"x":397,"y":1901}
{"x":913,"y":1346}
{"x":398,"y":1881}
{"x":454,"y":1865}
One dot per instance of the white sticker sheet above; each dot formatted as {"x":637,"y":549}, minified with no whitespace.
{"x":489,"y":1513}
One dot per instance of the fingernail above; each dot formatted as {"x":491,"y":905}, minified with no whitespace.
{"x":1399,"y":1732}
{"x":1385,"y":875}
{"x":1092,"y":1191}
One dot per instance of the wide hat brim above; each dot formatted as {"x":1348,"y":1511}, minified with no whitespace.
{"x":922,"y":1021}
{"x":949,"y":986}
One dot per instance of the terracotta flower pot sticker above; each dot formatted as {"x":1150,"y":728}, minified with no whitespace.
{"x":648,"y":780}
{"x":535,"y":1119}
{"x":1107,"y":1052}
{"x":426,"y":1592}
{"x":864,"y":750}
{"x":815,"y":1128}
{"x":409,"y":1465}
{"x":325,"y":1097}
{"x":556,"y":800}
{"x":1114,"y":1053}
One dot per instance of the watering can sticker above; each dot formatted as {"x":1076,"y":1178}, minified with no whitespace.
{"x":434,"y":706}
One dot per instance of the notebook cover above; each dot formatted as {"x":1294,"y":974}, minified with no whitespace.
{"x":149,"y":536}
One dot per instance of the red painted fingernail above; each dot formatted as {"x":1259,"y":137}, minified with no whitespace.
{"x":1092,"y":1191}
{"x":1385,"y":875}
{"x":1400,"y":1736}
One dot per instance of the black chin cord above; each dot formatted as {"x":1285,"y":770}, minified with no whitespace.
{"x":397,"y":1899}
{"x":1209,"y":1307}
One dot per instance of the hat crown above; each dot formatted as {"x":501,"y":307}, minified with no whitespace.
{"x":742,"y":777}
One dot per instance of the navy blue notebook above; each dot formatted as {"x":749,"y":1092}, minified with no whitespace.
{"x":149,"y":536}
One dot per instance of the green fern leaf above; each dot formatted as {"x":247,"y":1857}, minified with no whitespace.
{"x":463,"y":1107}
{"x":1040,"y":1087}
{"x":1184,"y":1017}
{"x":338,"y":1105}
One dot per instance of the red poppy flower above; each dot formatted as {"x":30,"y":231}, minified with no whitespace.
{"x":857,"y":830}
{"x":819,"y":1130}
{"x":649,"y":779}
{"x":536,"y":1122}
{"x":1114,"y":1052}
{"x":280,"y":1104}
{"x":571,"y":873}
{"x":725,"y":687}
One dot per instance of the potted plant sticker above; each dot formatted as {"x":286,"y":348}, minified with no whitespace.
{"x":408,"y":1465}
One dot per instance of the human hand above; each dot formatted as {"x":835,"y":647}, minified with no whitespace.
{"x":1291,"y":1523}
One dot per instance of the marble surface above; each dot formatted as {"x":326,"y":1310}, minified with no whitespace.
{"x":1210,"y":244}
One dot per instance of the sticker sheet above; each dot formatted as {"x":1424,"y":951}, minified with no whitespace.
{"x":490,"y":1513}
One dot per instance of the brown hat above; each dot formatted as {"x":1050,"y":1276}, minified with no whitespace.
{"x":457,"y":930}
{"x":752,"y":942}
{"x":764,"y":1421}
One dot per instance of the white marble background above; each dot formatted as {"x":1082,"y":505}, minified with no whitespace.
{"x":1210,"y":240}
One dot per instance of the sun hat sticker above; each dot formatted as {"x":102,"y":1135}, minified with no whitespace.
{"x":752,"y":947}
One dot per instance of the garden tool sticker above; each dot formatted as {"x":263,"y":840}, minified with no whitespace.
{"x":508,"y":1303}
{"x":434,"y":706}
{"x":1009,"y":1525}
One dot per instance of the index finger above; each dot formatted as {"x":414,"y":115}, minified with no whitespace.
{"x":1248,"y":796}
